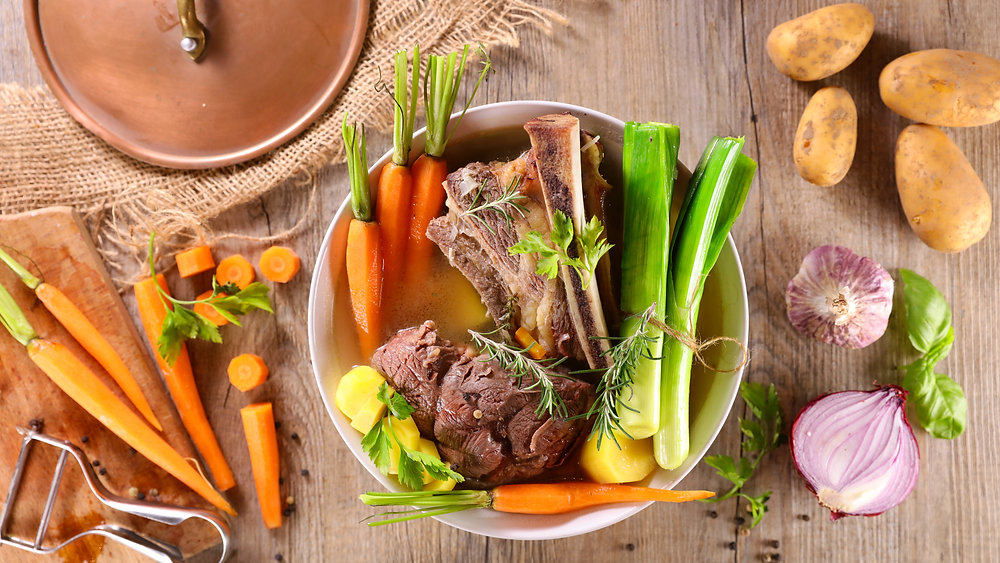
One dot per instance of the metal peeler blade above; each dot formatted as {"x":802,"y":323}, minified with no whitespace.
{"x":151,"y":547}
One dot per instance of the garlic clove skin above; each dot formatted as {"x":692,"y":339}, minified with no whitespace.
{"x":840,"y":298}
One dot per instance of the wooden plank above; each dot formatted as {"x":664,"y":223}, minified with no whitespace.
{"x":702,"y":66}
{"x":53,"y":240}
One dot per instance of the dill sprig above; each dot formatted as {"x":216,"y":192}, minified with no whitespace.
{"x":625,"y":355}
{"x":516,"y":361}
{"x":509,"y":198}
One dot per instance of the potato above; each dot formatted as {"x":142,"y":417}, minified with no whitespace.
{"x":355,"y":388}
{"x":822,"y":42}
{"x":407,"y":433}
{"x":368,"y":415}
{"x":610,"y":465}
{"x":943,"y":87}
{"x":826,"y":137}
{"x":943,"y":198}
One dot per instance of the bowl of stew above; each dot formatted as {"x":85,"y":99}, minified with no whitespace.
{"x":495,"y":132}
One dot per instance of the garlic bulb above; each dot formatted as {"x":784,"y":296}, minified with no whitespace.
{"x":840,"y":298}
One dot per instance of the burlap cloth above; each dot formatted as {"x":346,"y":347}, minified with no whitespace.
{"x":47,"y":158}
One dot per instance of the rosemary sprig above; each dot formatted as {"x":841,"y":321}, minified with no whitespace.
{"x":625,"y":357}
{"x":510,"y":197}
{"x":516,"y":361}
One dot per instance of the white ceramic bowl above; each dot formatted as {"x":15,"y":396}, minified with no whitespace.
{"x":723,"y":313}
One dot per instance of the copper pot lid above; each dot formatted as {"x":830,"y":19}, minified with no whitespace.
{"x":126,"y":71}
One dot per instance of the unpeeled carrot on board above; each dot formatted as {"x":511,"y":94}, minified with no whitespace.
{"x":441,"y":84}
{"x":364,"y":249}
{"x":528,"y":498}
{"x":209,"y":312}
{"x":235,"y":269}
{"x":195,"y":261}
{"x":395,"y":185}
{"x":180,"y":381}
{"x":247,"y":371}
{"x":262,"y":441}
{"x":80,"y":328}
{"x":87,"y":390}
{"x":279,"y":264}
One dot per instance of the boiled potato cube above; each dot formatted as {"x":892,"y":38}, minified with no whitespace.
{"x":610,"y":465}
{"x":355,"y":388}
{"x":428,"y":447}
{"x":368,"y":415}
{"x":436,"y":485}
{"x":407,"y":433}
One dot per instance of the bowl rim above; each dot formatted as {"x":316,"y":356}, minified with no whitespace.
{"x":454,"y":520}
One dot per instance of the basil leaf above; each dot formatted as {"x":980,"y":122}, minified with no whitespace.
{"x":937,"y":399}
{"x":928,"y":318}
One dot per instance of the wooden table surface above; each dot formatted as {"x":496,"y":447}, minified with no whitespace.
{"x":704,"y":68}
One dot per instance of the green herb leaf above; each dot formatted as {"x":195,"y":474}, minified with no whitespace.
{"x":729,"y":469}
{"x":938,"y":400}
{"x":928,"y":317}
{"x":758,"y":506}
{"x":396,"y":403}
{"x":562,"y":231}
{"x":548,"y":259}
{"x":411,"y":473}
{"x":376,"y":444}
{"x":591,"y":248}
{"x":437,"y":468}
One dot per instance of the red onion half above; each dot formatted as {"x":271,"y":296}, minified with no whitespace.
{"x":856,"y":450}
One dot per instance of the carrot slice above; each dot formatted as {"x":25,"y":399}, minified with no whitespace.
{"x":524,"y":338}
{"x":557,"y":498}
{"x":429,"y":175}
{"x":84,"y":331}
{"x":279,"y":264}
{"x":195,"y":261}
{"x":209,"y":312}
{"x":392,"y":210}
{"x":180,"y":382}
{"x":247,"y":371}
{"x":262,"y":441}
{"x":235,"y":269}
{"x":364,"y":278}
{"x":77,"y":381}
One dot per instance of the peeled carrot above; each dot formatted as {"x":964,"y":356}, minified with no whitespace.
{"x":180,"y":382}
{"x":524,"y":338}
{"x":209,"y":312}
{"x":557,"y":498}
{"x":364,"y":278}
{"x":80,"y":328}
{"x":262,"y":441}
{"x":364,"y":246}
{"x":235,"y":269}
{"x":429,"y":175}
{"x":77,"y":381}
{"x":529,"y":498}
{"x":395,"y":186}
{"x":195,"y":261}
{"x":247,"y":371}
{"x":279,"y":264}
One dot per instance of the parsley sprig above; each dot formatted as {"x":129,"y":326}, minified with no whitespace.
{"x":762,"y":435}
{"x":183,"y":323}
{"x":590,"y":246}
{"x":377,"y":443}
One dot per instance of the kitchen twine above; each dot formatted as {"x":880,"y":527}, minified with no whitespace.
{"x":47,"y":158}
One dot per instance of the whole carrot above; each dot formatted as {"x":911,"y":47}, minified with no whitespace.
{"x":180,"y":380}
{"x":395,"y":186}
{"x":364,"y":249}
{"x":528,"y":498}
{"x":430,"y":170}
{"x":87,"y":390}
{"x":83,"y":331}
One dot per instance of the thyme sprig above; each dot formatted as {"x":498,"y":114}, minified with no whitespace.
{"x":624,"y":355}
{"x":521,"y":367}
{"x":509,"y":198}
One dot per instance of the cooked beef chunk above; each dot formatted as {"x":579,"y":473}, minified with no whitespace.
{"x":418,"y":359}
{"x":484,"y":422}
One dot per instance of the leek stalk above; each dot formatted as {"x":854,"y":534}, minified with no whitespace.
{"x":715,"y":197}
{"x":649,"y":169}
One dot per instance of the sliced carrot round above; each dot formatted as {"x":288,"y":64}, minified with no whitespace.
{"x":209,"y":312}
{"x":247,"y":371}
{"x":235,"y":269}
{"x":195,"y":261}
{"x":279,"y":264}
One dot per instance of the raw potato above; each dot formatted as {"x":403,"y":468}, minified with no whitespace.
{"x":826,"y":137}
{"x":943,"y":87}
{"x":822,"y":42}
{"x":943,"y":198}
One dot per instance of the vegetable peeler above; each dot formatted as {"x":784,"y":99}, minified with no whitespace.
{"x":153,"y":548}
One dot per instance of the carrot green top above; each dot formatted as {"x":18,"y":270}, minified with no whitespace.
{"x":441,"y":83}
{"x":357,"y":170}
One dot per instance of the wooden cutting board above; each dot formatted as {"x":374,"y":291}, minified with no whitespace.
{"x":55,"y":241}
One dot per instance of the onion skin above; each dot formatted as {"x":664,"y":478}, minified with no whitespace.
{"x":812,"y":436}
{"x":840,"y":298}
